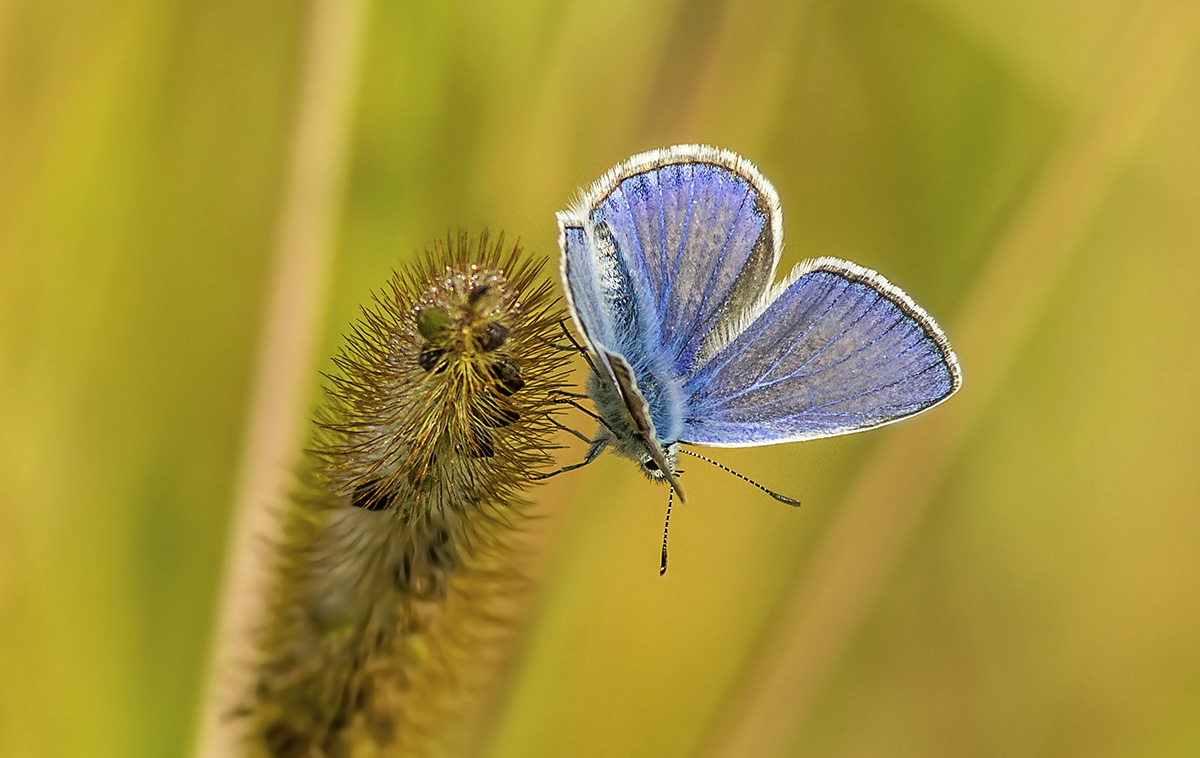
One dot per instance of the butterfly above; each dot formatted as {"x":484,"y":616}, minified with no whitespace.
{"x":668,"y":263}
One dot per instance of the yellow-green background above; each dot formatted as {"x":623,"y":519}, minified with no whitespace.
{"x":1015,"y":573}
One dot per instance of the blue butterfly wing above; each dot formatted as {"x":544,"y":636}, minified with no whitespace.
{"x":699,"y":229}
{"x":839,"y":349}
{"x":595,"y":313}
{"x":609,"y":303}
{"x":659,"y":256}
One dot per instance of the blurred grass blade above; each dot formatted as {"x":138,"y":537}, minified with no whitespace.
{"x":308,"y":220}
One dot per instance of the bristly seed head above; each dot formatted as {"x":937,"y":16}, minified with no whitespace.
{"x":439,"y":415}
{"x":465,"y":413}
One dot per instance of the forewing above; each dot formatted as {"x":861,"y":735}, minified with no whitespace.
{"x":609,"y":302}
{"x":581,"y":274}
{"x":700,"y":227}
{"x":839,"y":349}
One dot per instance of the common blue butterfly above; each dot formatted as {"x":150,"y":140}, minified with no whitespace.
{"x":668,"y":262}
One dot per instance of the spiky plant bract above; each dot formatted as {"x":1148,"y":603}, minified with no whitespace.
{"x":399,"y":544}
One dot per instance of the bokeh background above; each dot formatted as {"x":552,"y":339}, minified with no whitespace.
{"x":195,"y":197}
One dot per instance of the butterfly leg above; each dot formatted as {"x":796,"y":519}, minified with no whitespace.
{"x":593,"y":415}
{"x":564,"y":393}
{"x":565,"y":428}
{"x":595,"y":448}
{"x":563,"y":470}
{"x":576,"y":346}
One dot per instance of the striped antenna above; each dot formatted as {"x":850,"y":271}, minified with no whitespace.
{"x":776,"y":495}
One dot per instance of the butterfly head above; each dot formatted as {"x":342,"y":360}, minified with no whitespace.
{"x":658,"y":463}
{"x":651,"y":464}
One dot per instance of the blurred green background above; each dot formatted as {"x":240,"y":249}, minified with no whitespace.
{"x":1014,"y":573}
